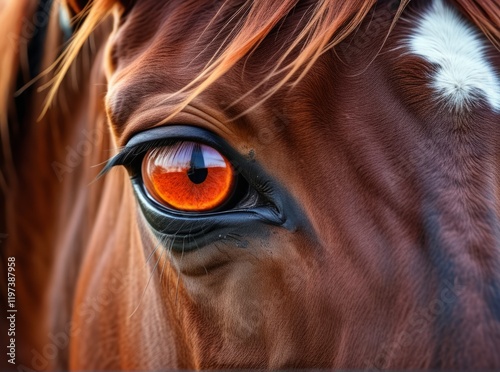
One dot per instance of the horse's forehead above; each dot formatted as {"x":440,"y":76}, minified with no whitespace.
{"x":453,"y":66}
{"x":173,"y":49}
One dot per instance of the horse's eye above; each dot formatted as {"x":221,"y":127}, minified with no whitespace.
{"x":194,"y":189}
{"x":188,"y":176}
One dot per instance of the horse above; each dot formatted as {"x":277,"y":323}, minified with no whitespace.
{"x":252,"y":184}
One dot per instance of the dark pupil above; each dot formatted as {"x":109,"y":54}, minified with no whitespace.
{"x":197,"y":172}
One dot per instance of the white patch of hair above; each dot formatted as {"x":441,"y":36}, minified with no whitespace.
{"x":464,"y":73}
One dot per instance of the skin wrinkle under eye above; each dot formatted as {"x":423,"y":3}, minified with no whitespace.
{"x":464,"y":73}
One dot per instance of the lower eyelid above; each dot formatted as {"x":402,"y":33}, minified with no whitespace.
{"x":186,"y":232}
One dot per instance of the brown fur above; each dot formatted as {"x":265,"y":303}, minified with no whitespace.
{"x":400,"y":265}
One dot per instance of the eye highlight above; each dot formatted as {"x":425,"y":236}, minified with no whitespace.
{"x":188,"y":176}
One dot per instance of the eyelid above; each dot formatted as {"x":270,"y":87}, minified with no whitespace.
{"x":164,"y":136}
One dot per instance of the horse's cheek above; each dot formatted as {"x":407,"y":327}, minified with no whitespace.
{"x":114,"y":304}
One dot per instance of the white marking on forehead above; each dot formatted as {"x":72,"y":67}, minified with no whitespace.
{"x":464,"y":73}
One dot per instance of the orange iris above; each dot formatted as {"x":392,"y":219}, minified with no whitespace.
{"x":188,"y":176}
